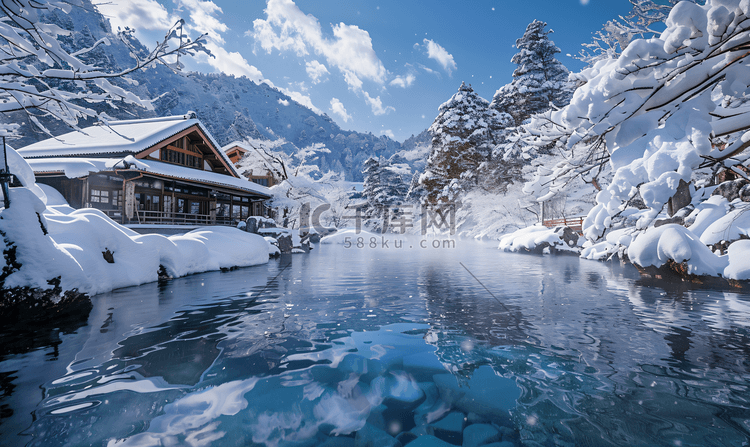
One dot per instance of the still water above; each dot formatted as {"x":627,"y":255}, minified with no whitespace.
{"x":360,"y":344}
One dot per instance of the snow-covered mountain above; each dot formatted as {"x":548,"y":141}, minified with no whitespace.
{"x":232,"y":108}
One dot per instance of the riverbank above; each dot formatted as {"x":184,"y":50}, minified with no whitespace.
{"x":670,"y":252}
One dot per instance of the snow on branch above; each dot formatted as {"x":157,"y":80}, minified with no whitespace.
{"x":667,"y":107}
{"x":41,"y":78}
{"x":616,"y":35}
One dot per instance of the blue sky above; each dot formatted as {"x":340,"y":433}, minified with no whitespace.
{"x":373,"y":66}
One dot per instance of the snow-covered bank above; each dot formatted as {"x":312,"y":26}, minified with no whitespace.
{"x":669,"y":248}
{"x":90,"y":253}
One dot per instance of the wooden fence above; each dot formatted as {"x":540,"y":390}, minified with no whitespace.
{"x":575,"y":223}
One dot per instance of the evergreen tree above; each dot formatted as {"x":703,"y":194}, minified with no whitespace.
{"x":464,"y":134}
{"x":539,"y":79}
{"x":371,"y":188}
{"x":395,"y":178}
{"x":385,"y":189}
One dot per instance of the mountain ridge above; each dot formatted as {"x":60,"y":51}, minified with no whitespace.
{"x":232,"y":108}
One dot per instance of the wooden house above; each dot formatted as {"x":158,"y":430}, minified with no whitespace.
{"x":166,"y":170}
{"x":261,"y":173}
{"x":235,"y":152}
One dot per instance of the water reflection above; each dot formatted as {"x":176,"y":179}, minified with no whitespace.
{"x":567,"y":352}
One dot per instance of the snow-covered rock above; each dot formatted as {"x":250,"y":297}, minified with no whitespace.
{"x":657,"y":246}
{"x":540,"y":239}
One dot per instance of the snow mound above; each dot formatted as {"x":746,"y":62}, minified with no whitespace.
{"x":674,"y":242}
{"x":739,"y":261}
{"x":93,"y":254}
{"x":729,"y":227}
{"x":537,"y":238}
{"x":87,"y":234}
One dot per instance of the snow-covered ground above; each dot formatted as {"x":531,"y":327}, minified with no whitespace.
{"x":43,"y":238}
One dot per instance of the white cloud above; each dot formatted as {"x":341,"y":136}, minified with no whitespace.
{"x":338,"y":109}
{"x":137,"y":14}
{"x":203,"y":19}
{"x":283,"y":102}
{"x":353,"y":81}
{"x":388,"y":133}
{"x":428,"y":69}
{"x":302,"y":99}
{"x":200,"y":17}
{"x":315,"y":70}
{"x":403,"y":81}
{"x":377,"y":105}
{"x":435,"y":51}
{"x":287,"y":28}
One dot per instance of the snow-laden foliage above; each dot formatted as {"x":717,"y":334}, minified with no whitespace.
{"x":666,"y":108}
{"x":616,"y":34}
{"x":464,"y":135}
{"x":663,"y":132}
{"x":41,"y":77}
{"x":299,"y":183}
{"x":538,"y":80}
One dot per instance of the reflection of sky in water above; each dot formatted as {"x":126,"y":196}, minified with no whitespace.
{"x":570,"y":352}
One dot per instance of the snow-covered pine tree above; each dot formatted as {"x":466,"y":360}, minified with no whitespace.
{"x":385,"y":188}
{"x":395,"y":179}
{"x":539,"y":79}
{"x":371,"y":188}
{"x":464,"y":134}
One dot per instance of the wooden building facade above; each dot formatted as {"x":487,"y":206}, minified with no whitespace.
{"x":153,"y":171}
{"x":263,"y":176}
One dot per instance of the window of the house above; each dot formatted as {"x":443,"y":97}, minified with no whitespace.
{"x":167,"y":204}
{"x":180,"y":157}
{"x":116,"y":198}
{"x":99,"y":196}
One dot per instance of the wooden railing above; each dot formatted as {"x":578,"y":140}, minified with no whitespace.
{"x":575,"y":223}
{"x":167,"y":218}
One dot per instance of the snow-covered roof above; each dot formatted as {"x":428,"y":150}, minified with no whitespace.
{"x":237,"y":144}
{"x":74,"y":167}
{"x":119,"y":137}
